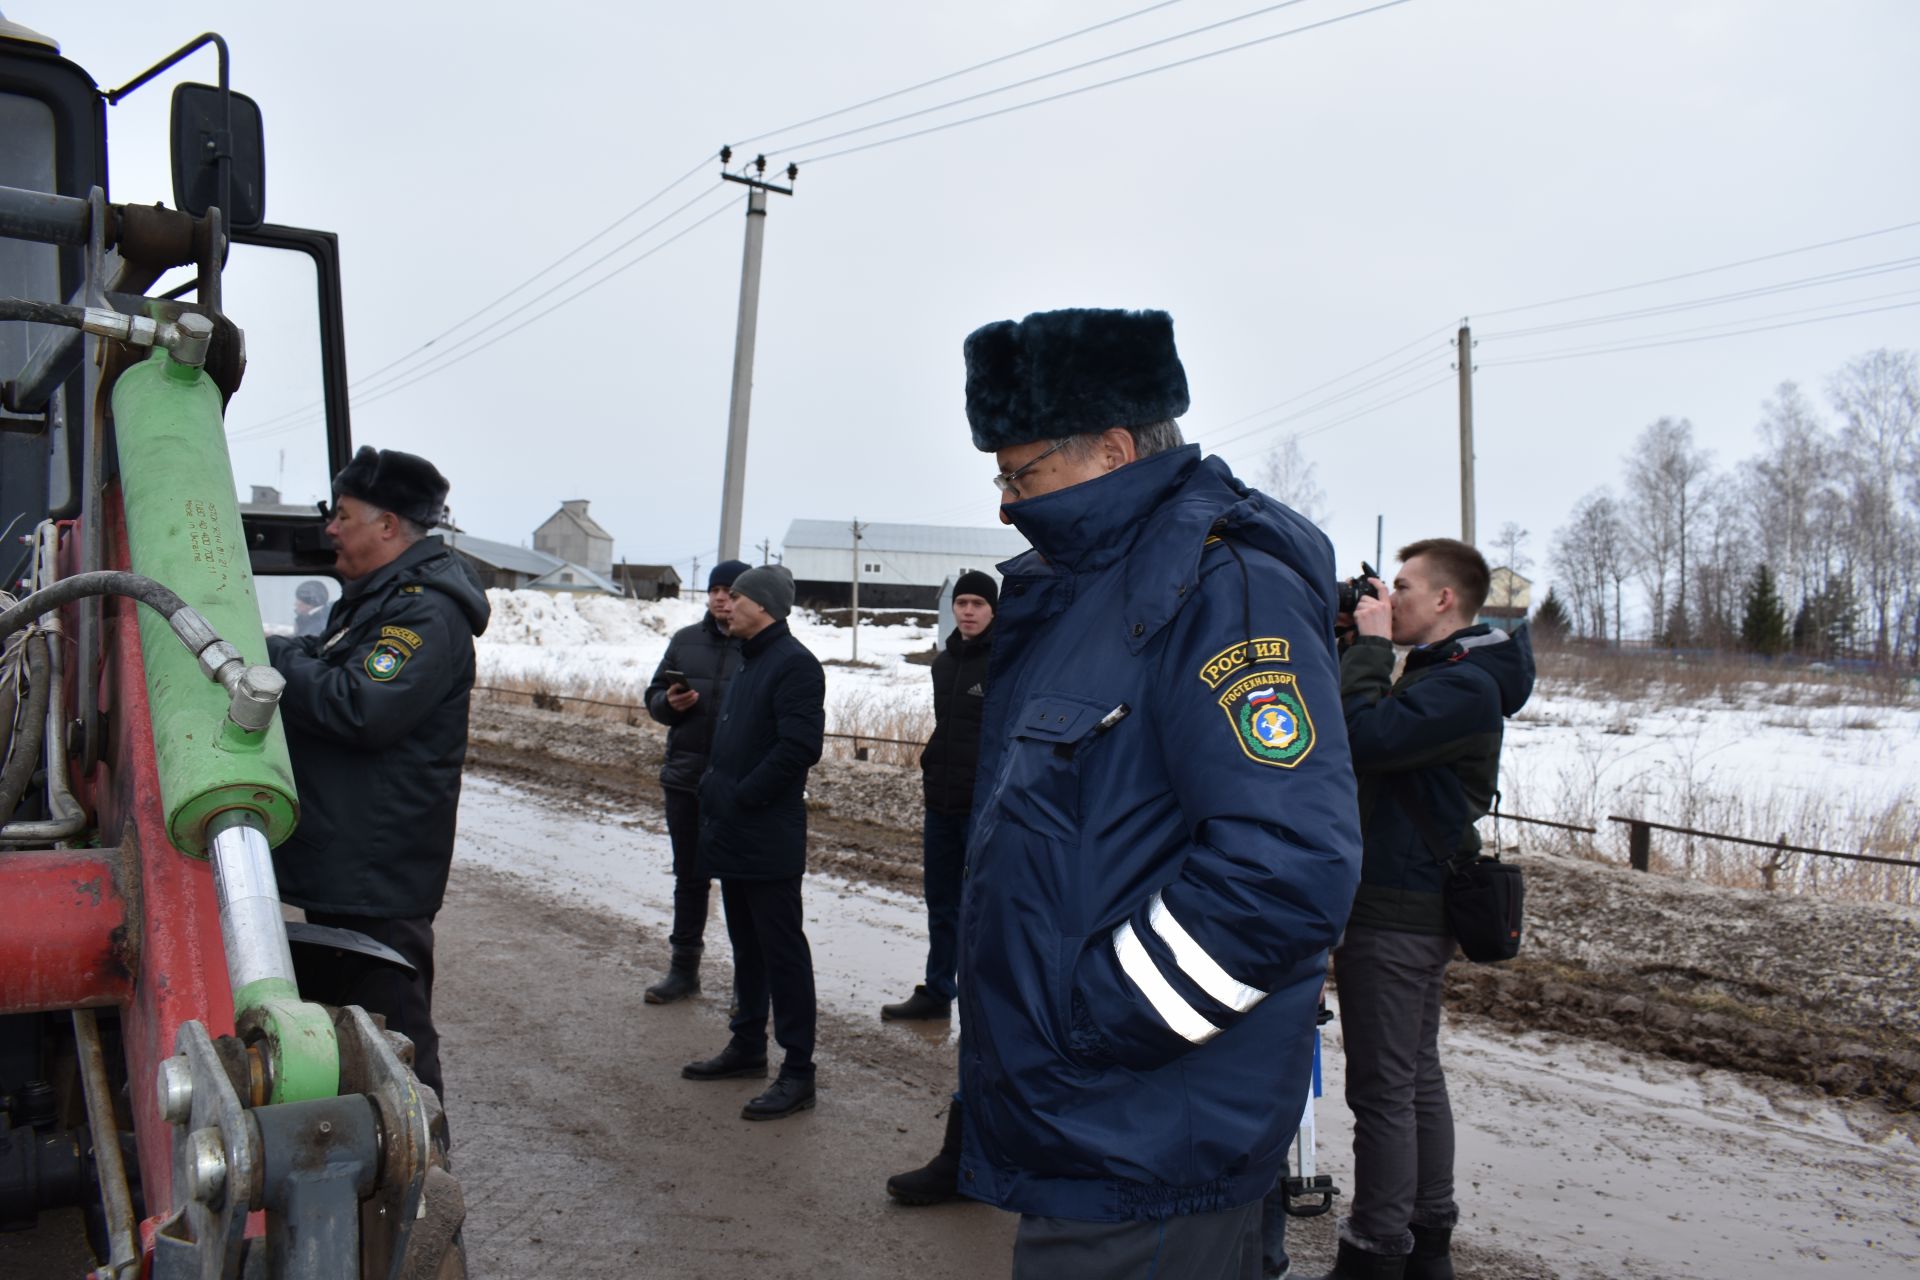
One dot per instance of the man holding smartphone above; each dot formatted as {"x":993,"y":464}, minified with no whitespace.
{"x":685,"y":696}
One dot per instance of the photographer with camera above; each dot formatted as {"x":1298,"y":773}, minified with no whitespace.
{"x":1426,"y":753}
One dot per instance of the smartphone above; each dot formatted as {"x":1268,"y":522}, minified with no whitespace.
{"x":675,"y":678}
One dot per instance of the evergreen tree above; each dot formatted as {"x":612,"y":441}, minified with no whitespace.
{"x":1550,"y":621}
{"x":1763,"y":627}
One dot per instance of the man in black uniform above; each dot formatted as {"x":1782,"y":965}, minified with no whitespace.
{"x":376,"y":718}
{"x":686,"y":695}
{"x":946,"y":770}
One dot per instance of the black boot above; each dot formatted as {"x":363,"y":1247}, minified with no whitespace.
{"x":784,"y":1097}
{"x":1355,"y":1263}
{"x":1432,"y":1256}
{"x":921,"y":1006}
{"x":938,"y":1180}
{"x":730,"y":1063}
{"x":682,"y":980}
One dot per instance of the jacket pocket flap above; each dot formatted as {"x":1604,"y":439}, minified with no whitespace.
{"x":1061,"y":719}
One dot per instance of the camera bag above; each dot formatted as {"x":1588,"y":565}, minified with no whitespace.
{"x":1486,"y":898}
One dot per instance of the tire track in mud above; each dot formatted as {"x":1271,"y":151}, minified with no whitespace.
{"x":1813,"y":993}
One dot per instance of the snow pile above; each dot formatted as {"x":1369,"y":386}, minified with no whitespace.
{"x":604,"y":647}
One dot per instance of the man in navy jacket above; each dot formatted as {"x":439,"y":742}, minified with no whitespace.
{"x":1164,"y":840}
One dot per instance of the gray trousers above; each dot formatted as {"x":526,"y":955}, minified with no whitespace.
{"x":1199,"y":1246}
{"x":1390,"y":986}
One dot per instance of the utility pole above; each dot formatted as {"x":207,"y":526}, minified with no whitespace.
{"x":693,"y":583}
{"x":1379,"y":539}
{"x":734,"y":485}
{"x":766,"y":551}
{"x":1463,"y":355}
{"x":858,"y":529}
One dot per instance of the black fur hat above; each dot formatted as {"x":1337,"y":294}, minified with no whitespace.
{"x":1064,"y":373}
{"x":403,"y":483}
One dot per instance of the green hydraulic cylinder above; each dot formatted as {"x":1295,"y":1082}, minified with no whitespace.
{"x":183,"y":529}
{"x":228,"y":792}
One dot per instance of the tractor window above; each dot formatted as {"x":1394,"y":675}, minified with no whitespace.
{"x":276,"y":425}
{"x":27,"y":271}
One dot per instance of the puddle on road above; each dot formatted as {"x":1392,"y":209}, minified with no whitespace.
{"x":1600,"y":1161}
{"x":869,"y":944}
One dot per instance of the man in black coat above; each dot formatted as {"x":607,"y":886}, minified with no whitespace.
{"x":753,"y":837}
{"x":946,"y":772}
{"x":686,"y":694}
{"x":376,"y":717}
{"x":1426,"y":753}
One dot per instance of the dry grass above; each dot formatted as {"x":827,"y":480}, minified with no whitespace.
{"x":889,"y":730}
{"x":1729,"y":679}
{"x":596,"y":701}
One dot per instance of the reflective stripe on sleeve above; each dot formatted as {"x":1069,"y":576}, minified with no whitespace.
{"x":1197,"y":964}
{"x":1139,"y":967}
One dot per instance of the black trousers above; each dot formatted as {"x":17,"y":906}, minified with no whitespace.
{"x":943,"y":862}
{"x":772,"y":964}
{"x":404,"y":999}
{"x":691,"y":885}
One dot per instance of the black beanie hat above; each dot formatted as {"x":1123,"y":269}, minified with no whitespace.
{"x":403,"y":483}
{"x":1066,"y":373}
{"x":976,"y":583}
{"x":725,"y":572}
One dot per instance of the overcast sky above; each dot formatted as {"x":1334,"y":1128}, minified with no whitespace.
{"x":1302,"y":207}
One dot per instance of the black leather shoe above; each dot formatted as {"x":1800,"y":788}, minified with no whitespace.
{"x":731,"y":1063}
{"x":786,"y":1095}
{"x":921,"y":1006}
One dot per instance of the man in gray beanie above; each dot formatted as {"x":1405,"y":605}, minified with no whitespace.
{"x":753,"y":839}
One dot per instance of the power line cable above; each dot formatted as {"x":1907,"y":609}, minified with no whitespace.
{"x":1103,"y":84}
{"x":1703,"y":271}
{"x":474,"y":315}
{"x":1431,"y":333}
{"x":1576,"y":352}
{"x":955,"y":75}
{"x":1761,"y":291}
{"x":1371,"y":384}
{"x":1030,"y":80}
{"x":1751,"y":319}
{"x":1357,"y":413}
{"x":422,"y":374}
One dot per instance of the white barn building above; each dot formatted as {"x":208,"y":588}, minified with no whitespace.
{"x":902,"y":566}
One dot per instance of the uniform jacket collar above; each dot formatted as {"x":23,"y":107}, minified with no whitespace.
{"x":391,"y":572}
{"x":753,"y":648}
{"x":1159,"y":513}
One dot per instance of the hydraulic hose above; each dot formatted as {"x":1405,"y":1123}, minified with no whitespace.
{"x":24,"y":752}
{"x":109,"y":582}
{"x":42,"y":312}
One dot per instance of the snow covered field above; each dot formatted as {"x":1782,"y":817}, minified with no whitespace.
{"x":1815,"y":761}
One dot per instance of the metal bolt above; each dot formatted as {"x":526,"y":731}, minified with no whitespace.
{"x":206,"y":1166}
{"x":326,"y":1126}
{"x":176,"y":1090}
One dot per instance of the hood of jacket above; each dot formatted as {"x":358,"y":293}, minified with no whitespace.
{"x":1506,"y":656}
{"x":1159,"y":513}
{"x":429,"y":563}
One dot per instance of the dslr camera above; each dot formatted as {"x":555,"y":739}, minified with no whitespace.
{"x":1353,"y":588}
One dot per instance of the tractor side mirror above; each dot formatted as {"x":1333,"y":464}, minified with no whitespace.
{"x":200,"y":136}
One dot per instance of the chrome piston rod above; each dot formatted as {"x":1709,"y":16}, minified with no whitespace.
{"x":250,"y":922}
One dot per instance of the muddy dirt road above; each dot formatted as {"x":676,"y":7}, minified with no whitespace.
{"x":585,"y":1154}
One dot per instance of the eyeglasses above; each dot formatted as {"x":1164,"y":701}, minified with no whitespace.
{"x":1008,"y":481}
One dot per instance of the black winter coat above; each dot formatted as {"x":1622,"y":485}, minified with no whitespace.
{"x":707,"y":657}
{"x":753,"y":808}
{"x":376,"y":718}
{"x":959,"y":693}
{"x":1430,"y":740}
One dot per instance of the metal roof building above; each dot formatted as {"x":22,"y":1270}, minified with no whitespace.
{"x":901,"y":565}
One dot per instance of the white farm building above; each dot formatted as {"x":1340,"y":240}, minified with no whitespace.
{"x":902,"y":566}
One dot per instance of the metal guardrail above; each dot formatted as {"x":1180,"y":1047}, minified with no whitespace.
{"x":1639,"y":830}
{"x":540,"y":696}
{"x":1640,"y":845}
